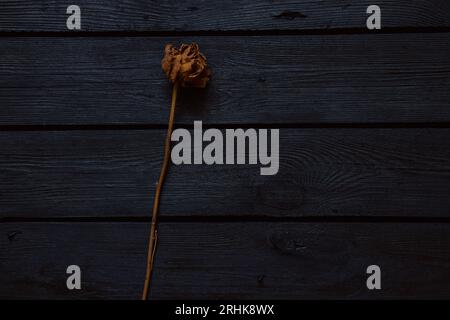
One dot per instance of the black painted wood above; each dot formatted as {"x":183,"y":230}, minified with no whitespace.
{"x":384,"y":78}
{"x":229,"y":249}
{"x":323,"y":172}
{"x":218,"y":15}
{"x":248,"y":260}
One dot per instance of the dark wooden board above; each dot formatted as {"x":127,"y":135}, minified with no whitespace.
{"x":218,"y":15}
{"x":323,"y":172}
{"x":382,"y":78}
{"x":350,"y":191}
{"x":253,"y":260}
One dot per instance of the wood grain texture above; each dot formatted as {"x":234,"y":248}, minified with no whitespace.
{"x":255,"y":260}
{"x":217,"y":15}
{"x":378,"y":78}
{"x":323,"y":172}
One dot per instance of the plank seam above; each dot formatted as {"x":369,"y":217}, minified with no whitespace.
{"x":108,"y":127}
{"x":233,"y":219}
{"x":224,"y":33}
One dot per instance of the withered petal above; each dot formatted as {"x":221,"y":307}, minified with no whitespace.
{"x":186,"y":65}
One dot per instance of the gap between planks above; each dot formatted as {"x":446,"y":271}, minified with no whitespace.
{"x":222,"y":33}
{"x":232,"y":219}
{"x":100,"y":127}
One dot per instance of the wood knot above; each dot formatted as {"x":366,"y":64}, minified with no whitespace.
{"x":288,"y":198}
{"x":287,"y":243}
{"x":290,"y":15}
{"x":260,"y":279}
{"x":12,"y":235}
{"x":261,"y":79}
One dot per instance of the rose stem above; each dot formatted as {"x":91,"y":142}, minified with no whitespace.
{"x":162,"y":176}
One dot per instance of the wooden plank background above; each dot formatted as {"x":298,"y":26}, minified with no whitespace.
{"x":364,"y":150}
{"x":218,"y":15}
{"x":256,"y":260}
{"x":256,"y":80}
{"x":323,"y":172}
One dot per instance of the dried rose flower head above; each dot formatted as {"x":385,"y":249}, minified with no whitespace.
{"x":186,"y":65}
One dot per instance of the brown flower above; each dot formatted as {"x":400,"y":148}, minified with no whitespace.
{"x":186,"y":65}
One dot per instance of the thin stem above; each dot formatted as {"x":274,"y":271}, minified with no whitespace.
{"x":162,"y":176}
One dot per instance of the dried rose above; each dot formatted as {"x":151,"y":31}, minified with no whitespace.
{"x":186,"y":65}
